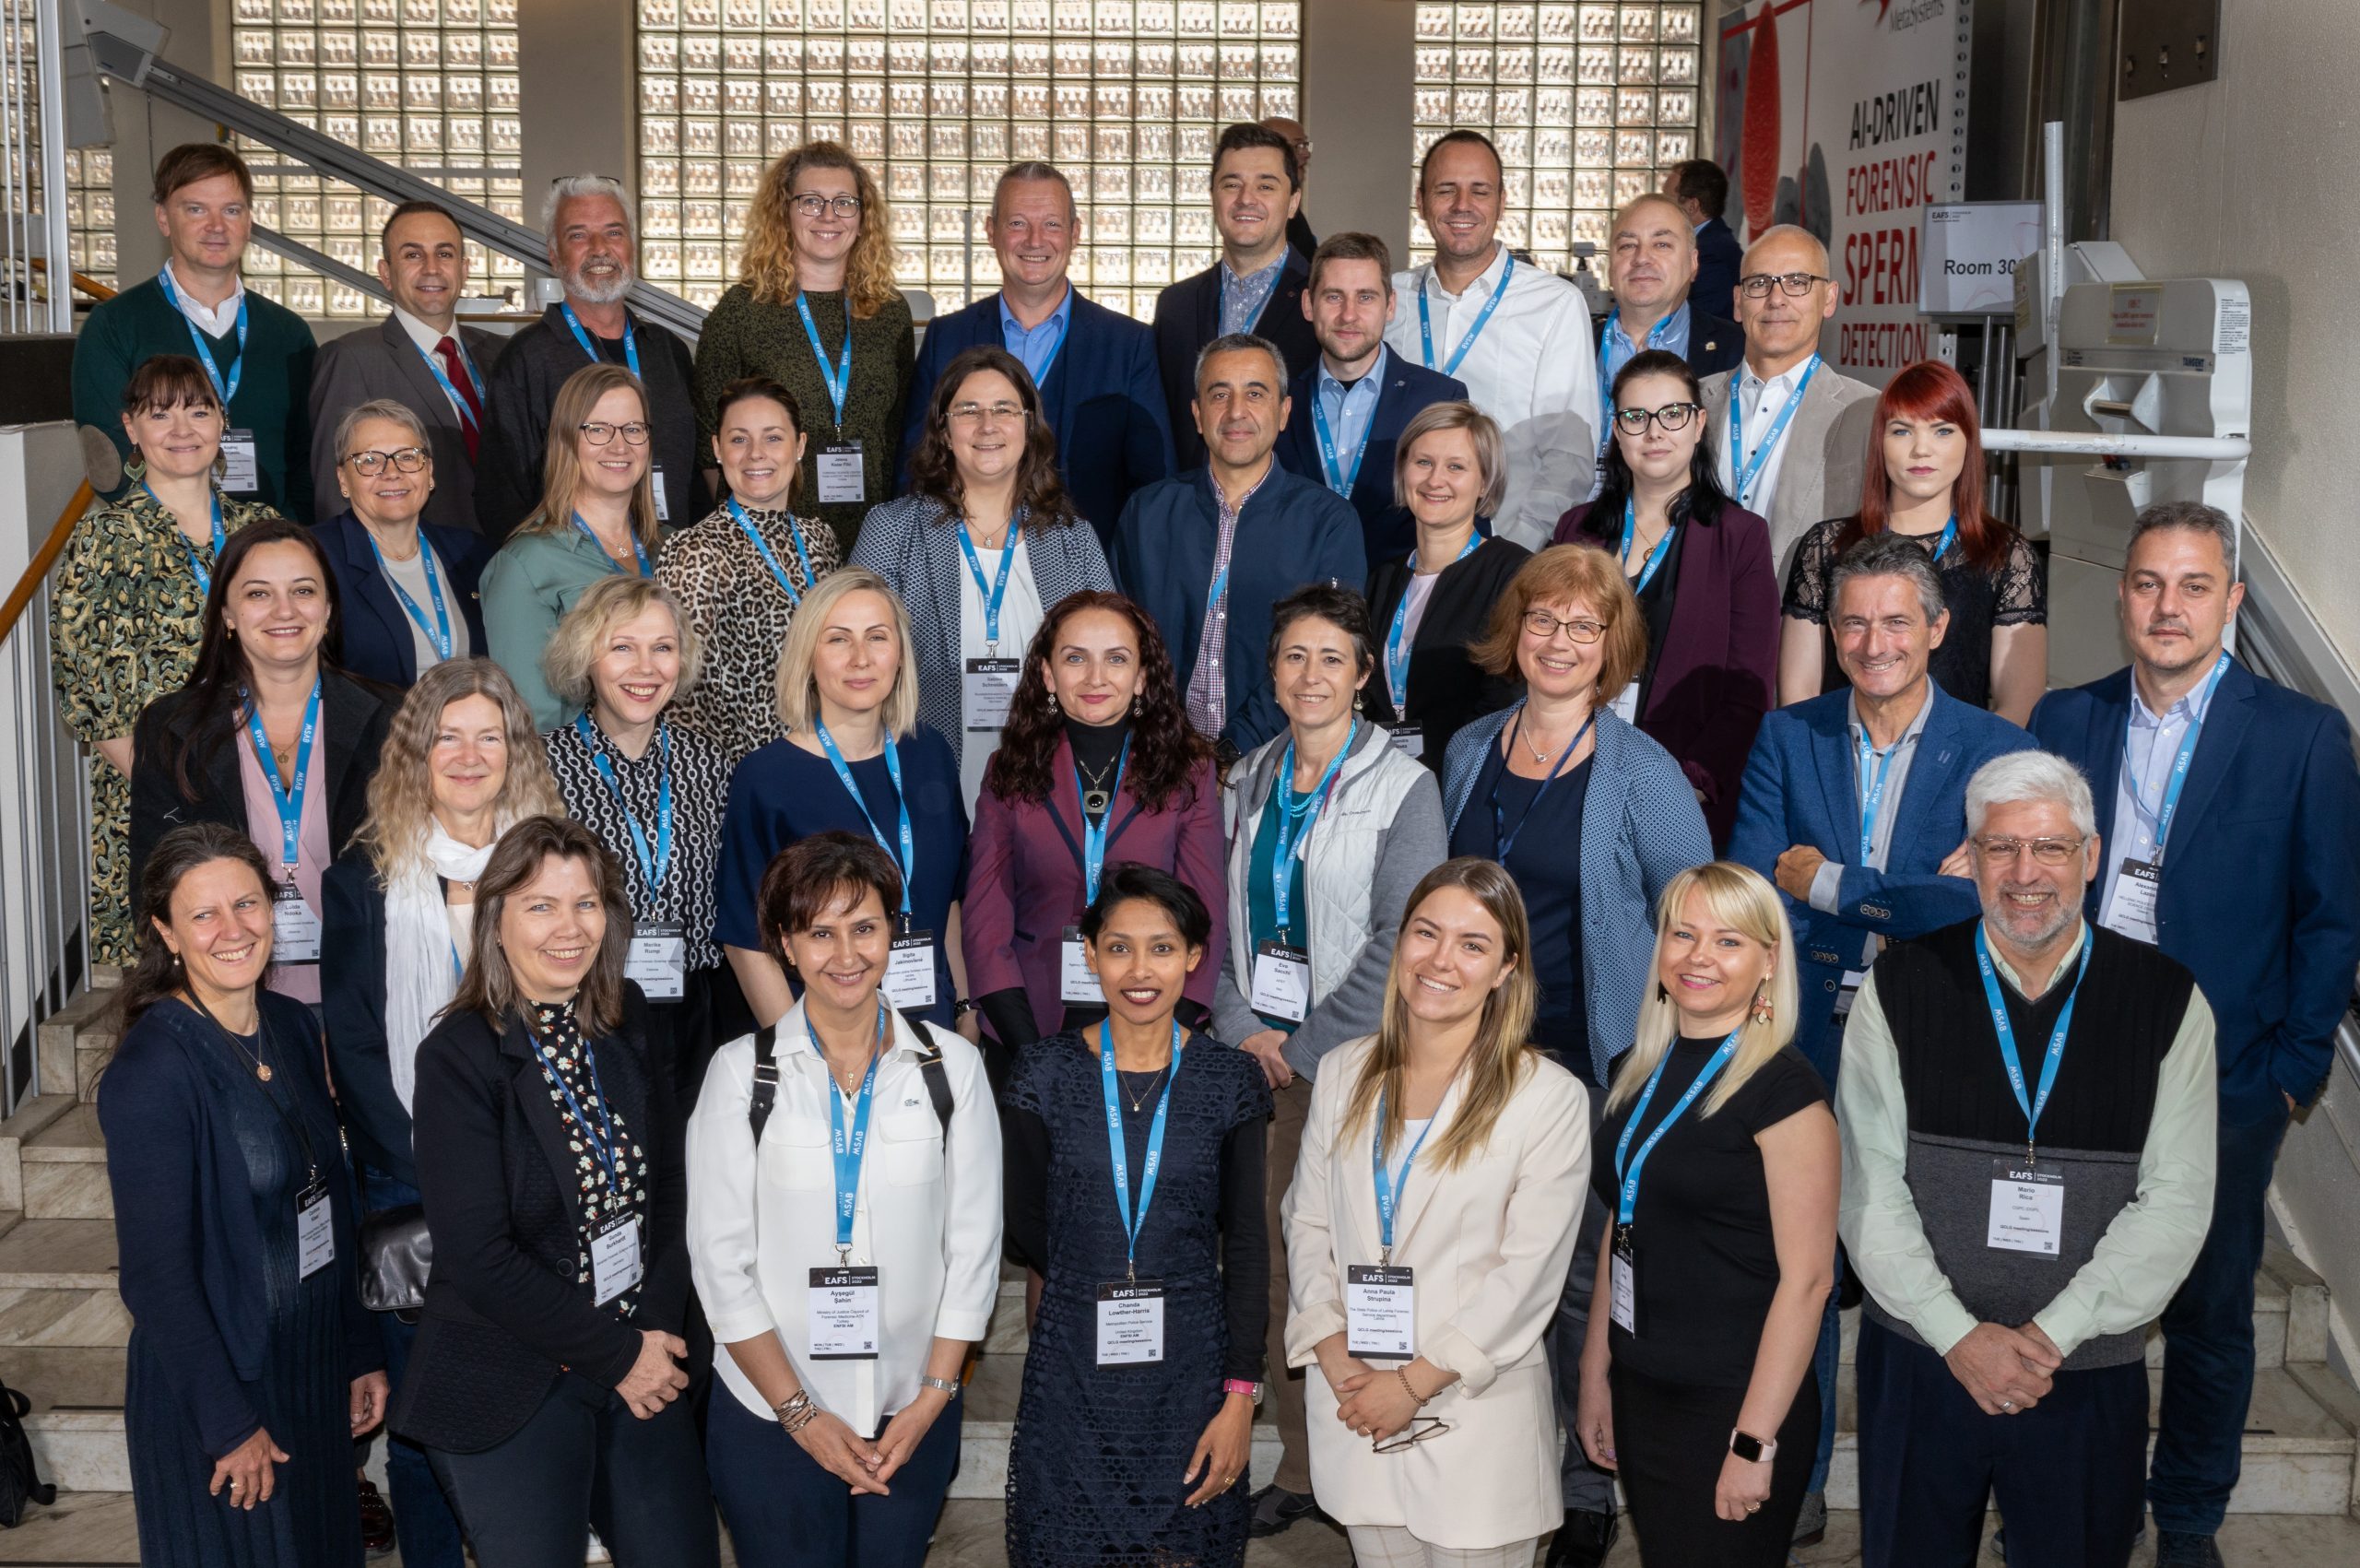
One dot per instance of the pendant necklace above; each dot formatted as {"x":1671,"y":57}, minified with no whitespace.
{"x":253,"y":1057}
{"x":1138,"y":1103}
{"x":1097,"y":797}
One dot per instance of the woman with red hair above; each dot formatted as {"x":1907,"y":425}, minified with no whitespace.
{"x":1994,"y":653}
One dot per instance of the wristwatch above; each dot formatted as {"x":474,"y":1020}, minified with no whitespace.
{"x":948,"y":1386}
{"x":1752,"y":1450}
{"x":1239,"y":1385}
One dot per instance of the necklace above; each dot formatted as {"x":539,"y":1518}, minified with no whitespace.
{"x":1540,"y":753}
{"x":1139,"y":1101}
{"x":253,"y":1057}
{"x":1097,"y":797}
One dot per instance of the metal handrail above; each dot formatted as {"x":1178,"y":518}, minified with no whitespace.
{"x":2097,"y":443}
{"x":44,"y":557}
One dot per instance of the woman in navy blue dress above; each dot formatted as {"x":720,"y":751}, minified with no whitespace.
{"x":253,"y":1364}
{"x":1132,"y":1438}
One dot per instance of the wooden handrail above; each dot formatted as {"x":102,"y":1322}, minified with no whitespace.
{"x":87,"y":284}
{"x":43,"y":558}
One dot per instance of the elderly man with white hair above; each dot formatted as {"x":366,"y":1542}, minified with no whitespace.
{"x":592,"y":249}
{"x":2028,"y":1108}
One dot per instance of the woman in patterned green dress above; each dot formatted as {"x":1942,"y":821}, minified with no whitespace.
{"x":125,"y":618}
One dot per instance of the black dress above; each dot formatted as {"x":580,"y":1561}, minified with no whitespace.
{"x":1545,"y":830}
{"x":1094,"y":1473}
{"x":1980,"y":600}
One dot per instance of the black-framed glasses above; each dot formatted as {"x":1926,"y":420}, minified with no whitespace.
{"x":369,"y":464}
{"x":2051,"y":853}
{"x":1541,"y":623}
{"x":819,"y":207}
{"x":1672,"y":416}
{"x":1795,"y":284}
{"x":597,"y":432}
{"x":1419,"y":1429}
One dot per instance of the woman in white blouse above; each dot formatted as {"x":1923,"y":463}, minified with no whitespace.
{"x":846,"y":1287}
{"x":1428,"y":1233}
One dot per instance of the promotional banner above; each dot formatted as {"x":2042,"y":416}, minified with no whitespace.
{"x":1848,"y":117}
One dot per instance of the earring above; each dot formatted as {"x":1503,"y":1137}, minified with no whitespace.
{"x":1054,"y":706}
{"x":136,"y":467}
{"x":1662,"y":994}
{"x":1763,"y":1011}
{"x":1360,"y":699}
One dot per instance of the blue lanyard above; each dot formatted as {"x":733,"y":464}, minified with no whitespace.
{"x":288,"y":801}
{"x":1655,"y":557}
{"x":1503,"y":841}
{"x":1658,"y":335}
{"x":439,"y":634}
{"x":994,"y":591}
{"x":2007,"y":1031}
{"x":631,"y":341}
{"x":221,"y":538}
{"x":1287,"y":846}
{"x":1397,"y":654}
{"x":1426,"y":323}
{"x":1872,"y":791}
{"x":909,"y":855}
{"x":1133,"y":1224}
{"x":227,"y":389}
{"x":653,"y":867}
{"x":1093,"y":834}
{"x":1340,"y":479}
{"x":612,"y":564}
{"x":2178,"y":779}
{"x":1628,"y":1200}
{"x":1389,"y":1192}
{"x":839,"y":380}
{"x":1745,"y":473}
{"x":600,"y":1134}
{"x":762,"y":547}
{"x":434,"y":364}
{"x":1949,"y":537}
{"x":848,"y":1145}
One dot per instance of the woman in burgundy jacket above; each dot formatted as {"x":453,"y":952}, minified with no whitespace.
{"x":1700,"y":565}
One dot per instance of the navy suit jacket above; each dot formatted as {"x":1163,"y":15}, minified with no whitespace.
{"x":1715,"y":342}
{"x":1802,"y":788}
{"x":1718,"y":258}
{"x":377,"y":641}
{"x":1388,"y":530}
{"x":1102,"y":400}
{"x":2260,"y":895}
{"x":1188,"y":316}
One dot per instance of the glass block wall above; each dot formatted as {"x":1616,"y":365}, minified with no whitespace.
{"x":429,"y":84}
{"x":937,"y":97}
{"x":1588,"y":104}
{"x":89,"y":181}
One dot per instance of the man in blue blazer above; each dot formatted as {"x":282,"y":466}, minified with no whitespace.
{"x":2255,"y":888}
{"x":1095,"y":368}
{"x":1703,"y":192}
{"x":1208,"y":554}
{"x":1364,"y":392}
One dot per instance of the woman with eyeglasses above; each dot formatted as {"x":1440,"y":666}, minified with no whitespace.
{"x":1926,"y":482}
{"x":739,"y":575}
{"x":985,"y":541}
{"x":1700,"y":567}
{"x":409,"y":587}
{"x":596,"y":520}
{"x":1449,"y":468}
{"x":816,"y":309}
{"x":1428,"y":1229}
{"x":128,"y":609}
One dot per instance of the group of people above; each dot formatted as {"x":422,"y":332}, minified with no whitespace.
{"x":726,"y":935}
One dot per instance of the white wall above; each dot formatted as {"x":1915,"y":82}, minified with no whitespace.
{"x":2257,"y":176}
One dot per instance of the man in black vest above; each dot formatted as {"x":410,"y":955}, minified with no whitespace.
{"x":2027,"y":1104}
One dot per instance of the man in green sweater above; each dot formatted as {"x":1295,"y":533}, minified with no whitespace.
{"x":258,"y":354}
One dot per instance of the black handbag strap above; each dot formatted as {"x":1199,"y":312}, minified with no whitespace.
{"x":764,"y":1097}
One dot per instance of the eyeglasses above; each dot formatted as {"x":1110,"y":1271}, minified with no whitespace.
{"x":2051,"y":853}
{"x":1541,"y":623}
{"x":1417,"y":1432}
{"x":816,"y":206}
{"x":369,"y":464}
{"x":1672,"y":416}
{"x":1757,"y":287}
{"x":598,"y":432}
{"x":973,"y":413}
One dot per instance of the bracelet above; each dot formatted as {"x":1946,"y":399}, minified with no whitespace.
{"x":964,"y":1005}
{"x":797,"y":1412}
{"x":948,"y":1386}
{"x":1420,"y":1399}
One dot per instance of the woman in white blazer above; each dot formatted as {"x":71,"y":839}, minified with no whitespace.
{"x":847,"y":1288}
{"x":1428,"y":1230}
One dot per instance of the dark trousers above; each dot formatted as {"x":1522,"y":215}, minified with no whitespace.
{"x":784,"y":1511}
{"x":1585,"y":1486}
{"x":2066,"y":1473}
{"x":684,"y":1032}
{"x":584,"y":1461}
{"x":2208,"y":1343}
{"x":1670,"y":1440}
{"x":426,"y":1529}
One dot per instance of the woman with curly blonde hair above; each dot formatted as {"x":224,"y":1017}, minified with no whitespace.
{"x":815,"y":307}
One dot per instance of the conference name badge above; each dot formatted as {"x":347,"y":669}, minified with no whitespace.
{"x":1075,"y":981}
{"x":658,"y":960}
{"x":1622,"y":1282}
{"x":842,"y":477}
{"x":1282,"y":982}
{"x":909,"y":972}
{"x":1380,"y":1313}
{"x":990,"y":687}
{"x":845,"y":1315}
{"x":1410,"y":740}
{"x":2137,"y":885}
{"x":240,"y":464}
{"x":294,"y":926}
{"x":663,"y":504}
{"x":615,"y":1262}
{"x":315,"y":1228}
{"x":1131,"y":1321}
{"x":2027,"y":1209}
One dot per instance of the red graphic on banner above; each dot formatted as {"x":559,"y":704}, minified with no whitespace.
{"x":1760,"y":182}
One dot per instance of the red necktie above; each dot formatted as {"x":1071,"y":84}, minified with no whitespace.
{"x":470,"y":410}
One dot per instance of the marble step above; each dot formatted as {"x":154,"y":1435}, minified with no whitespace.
{"x":74,"y":1044}
{"x":61,"y":1168}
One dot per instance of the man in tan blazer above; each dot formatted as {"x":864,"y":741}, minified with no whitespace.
{"x":1805,"y":468}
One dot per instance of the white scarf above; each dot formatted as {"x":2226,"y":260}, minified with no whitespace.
{"x":419,"y":976}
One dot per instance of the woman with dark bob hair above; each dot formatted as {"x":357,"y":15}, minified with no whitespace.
{"x":547,"y":1370}
{"x":251,"y":1364}
{"x":1146,"y":1362}
{"x":985,"y":542}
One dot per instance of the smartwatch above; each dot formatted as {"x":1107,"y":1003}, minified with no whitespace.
{"x":1752,"y":1450}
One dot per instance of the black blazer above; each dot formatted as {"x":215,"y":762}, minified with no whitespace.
{"x":1719,"y":259}
{"x":503,"y":1316}
{"x":1387,"y":531}
{"x":1446,"y":690}
{"x":377,"y":641}
{"x":1715,"y":342}
{"x":353,"y":716}
{"x":1188,"y":316}
{"x":353,"y":1006}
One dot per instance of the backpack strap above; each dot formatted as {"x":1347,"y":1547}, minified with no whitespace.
{"x":937,"y":1087}
{"x":765,"y":1091}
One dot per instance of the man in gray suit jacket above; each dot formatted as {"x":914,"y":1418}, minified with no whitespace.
{"x":420,"y":357}
{"x":1806,"y":431}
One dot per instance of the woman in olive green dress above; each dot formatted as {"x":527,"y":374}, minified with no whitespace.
{"x":130,"y":603}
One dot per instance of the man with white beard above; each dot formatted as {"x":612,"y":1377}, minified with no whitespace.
{"x":592,"y":249}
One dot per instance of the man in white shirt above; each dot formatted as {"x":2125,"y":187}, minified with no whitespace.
{"x":1517,"y":335}
{"x":1797,"y":455}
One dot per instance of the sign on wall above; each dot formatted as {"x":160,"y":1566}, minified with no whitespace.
{"x":1970,"y":256}
{"x":1848,"y":117}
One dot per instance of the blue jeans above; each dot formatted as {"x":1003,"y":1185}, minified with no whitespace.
{"x":2208,"y":1343}
{"x":784,"y":1511}
{"x":423,"y":1524}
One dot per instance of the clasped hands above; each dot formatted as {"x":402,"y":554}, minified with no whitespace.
{"x":2005,"y":1370}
